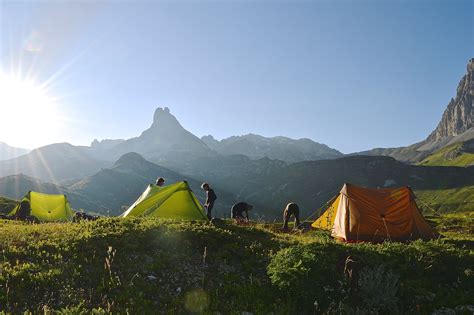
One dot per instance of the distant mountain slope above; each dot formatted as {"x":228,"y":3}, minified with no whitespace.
{"x":100,"y":149}
{"x":280,"y":148}
{"x":409,"y":154}
{"x":448,"y":200}
{"x":232,"y":173}
{"x":313,"y":183}
{"x":7,"y":152}
{"x":16,"y":186}
{"x":126,"y":180}
{"x":456,"y":125}
{"x":458,"y":154}
{"x":53,"y":163}
{"x":165,"y":138}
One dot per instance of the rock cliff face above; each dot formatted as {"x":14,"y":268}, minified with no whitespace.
{"x":456,"y":125}
{"x":458,"y":117}
{"x":165,"y":137}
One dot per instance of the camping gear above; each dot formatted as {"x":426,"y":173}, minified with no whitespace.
{"x":46,"y":207}
{"x":362,"y":214}
{"x":175,"y":201}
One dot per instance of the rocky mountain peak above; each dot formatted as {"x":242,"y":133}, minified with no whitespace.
{"x":164,"y":118}
{"x":470,"y":65}
{"x":458,"y":117}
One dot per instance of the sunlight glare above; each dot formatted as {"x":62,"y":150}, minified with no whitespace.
{"x":28,"y":116}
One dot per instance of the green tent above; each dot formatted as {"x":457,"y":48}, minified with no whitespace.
{"x":48,"y":208}
{"x":175,"y":201}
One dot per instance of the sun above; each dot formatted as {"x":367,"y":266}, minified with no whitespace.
{"x":29,"y":117}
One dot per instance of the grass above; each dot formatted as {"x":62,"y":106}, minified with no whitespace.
{"x":447,"y":200}
{"x":455,"y":226}
{"x":449,"y":156}
{"x":151,"y":266}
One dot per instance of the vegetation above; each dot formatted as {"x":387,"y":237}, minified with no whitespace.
{"x":458,"y":154}
{"x":446,"y":200}
{"x":6,"y":205}
{"x":455,"y":226}
{"x":159,"y":266}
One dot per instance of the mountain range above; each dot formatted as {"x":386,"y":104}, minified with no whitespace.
{"x":8,"y":152}
{"x":54,"y":163}
{"x":278,"y":148}
{"x":110,"y":174}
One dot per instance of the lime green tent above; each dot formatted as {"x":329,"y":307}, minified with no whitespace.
{"x":175,"y":201}
{"x":48,"y":208}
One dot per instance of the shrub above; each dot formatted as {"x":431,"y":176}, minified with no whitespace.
{"x":378,"y":289}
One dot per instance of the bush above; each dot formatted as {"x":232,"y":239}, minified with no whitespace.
{"x":309,"y":276}
{"x":378,"y":289}
{"x":415,"y":277}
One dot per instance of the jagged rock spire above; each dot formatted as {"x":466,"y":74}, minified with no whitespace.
{"x":459,"y":115}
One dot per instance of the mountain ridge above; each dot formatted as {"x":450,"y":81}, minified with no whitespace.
{"x":53,"y":163}
{"x":277,"y":148}
{"x":456,"y":125}
{"x":8,"y":152}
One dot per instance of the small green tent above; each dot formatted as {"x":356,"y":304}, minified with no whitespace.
{"x":47,"y":208}
{"x":175,"y":201}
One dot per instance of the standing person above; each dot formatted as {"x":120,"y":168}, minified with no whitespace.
{"x":237,"y":212}
{"x":210,"y":199}
{"x":291,"y":209}
{"x":160,"y":181}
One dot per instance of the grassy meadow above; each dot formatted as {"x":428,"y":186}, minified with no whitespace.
{"x":149,"y":266}
{"x":452,"y":155}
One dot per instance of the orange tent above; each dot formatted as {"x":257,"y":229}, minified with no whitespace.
{"x":375,"y":215}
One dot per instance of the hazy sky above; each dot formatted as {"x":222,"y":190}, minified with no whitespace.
{"x":351,"y":74}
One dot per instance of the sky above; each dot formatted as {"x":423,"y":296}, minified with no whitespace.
{"x":354,"y":75}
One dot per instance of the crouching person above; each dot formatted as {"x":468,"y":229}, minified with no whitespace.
{"x":237,"y":212}
{"x":291,"y":209}
{"x":81,"y":216}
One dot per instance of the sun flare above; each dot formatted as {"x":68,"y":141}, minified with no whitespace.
{"x":29,"y":117}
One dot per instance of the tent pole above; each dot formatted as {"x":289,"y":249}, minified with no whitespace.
{"x":318,"y":209}
{"x":386,"y":228}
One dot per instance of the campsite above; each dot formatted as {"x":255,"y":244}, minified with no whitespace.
{"x":164,"y":243}
{"x":115,"y":265}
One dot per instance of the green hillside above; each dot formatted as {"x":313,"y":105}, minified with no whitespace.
{"x":148,"y":266}
{"x":447,"y":200}
{"x":458,"y":154}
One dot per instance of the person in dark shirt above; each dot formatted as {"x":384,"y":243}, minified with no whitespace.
{"x":291,"y":209}
{"x":24,"y":213}
{"x":160,"y":181}
{"x":237,"y":212}
{"x":210,"y":199}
